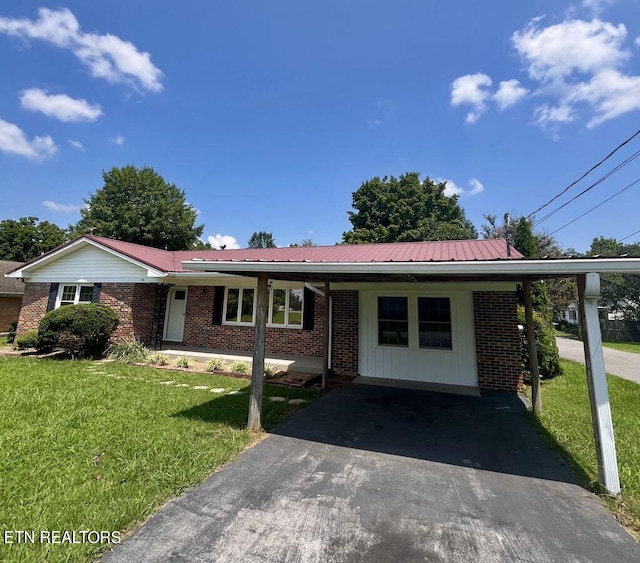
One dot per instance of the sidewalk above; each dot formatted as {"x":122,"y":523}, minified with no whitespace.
{"x":622,"y":364}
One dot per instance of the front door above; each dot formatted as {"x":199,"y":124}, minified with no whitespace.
{"x":176,"y":309}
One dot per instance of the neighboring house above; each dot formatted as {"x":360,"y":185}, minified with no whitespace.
{"x":11,"y":291}
{"x":570,"y":315}
{"x":461,"y":335}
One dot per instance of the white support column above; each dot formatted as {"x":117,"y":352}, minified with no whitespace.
{"x":588,"y":291}
{"x":536,"y":398}
{"x":259,"y":338}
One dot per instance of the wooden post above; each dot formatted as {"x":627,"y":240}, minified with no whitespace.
{"x":254,"y":422}
{"x":325,"y":336}
{"x":588,"y":292}
{"x":536,"y":399}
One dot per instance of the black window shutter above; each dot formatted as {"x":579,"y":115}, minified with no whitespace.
{"x":53,"y":293}
{"x":309,"y":309}
{"x":95,"y":294}
{"x":218,"y":303}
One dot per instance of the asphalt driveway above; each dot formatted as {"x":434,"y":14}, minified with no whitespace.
{"x":378,"y":474}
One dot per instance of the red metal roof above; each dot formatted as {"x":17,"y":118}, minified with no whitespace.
{"x":441,"y":251}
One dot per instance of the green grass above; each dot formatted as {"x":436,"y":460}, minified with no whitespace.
{"x":624,"y":346}
{"x":152,"y":441}
{"x":566,"y":417}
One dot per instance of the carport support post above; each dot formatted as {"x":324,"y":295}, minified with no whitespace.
{"x":588,"y":292}
{"x":325,"y":336}
{"x":259,"y":337}
{"x":536,"y":399}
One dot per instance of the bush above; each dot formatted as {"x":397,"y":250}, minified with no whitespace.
{"x":548,"y":356}
{"x":269,"y":371}
{"x":158,"y":360}
{"x":12,"y":333}
{"x":27,"y":340}
{"x":239,"y":367}
{"x":183,"y":362}
{"x":128,"y":351}
{"x":81,"y":330}
{"x":214,"y":364}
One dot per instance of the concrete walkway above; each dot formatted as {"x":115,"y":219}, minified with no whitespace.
{"x":622,"y":364}
{"x":374,"y":474}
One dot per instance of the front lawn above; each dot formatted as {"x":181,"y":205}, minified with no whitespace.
{"x":566,"y":417}
{"x":624,"y":346}
{"x":99,"y":446}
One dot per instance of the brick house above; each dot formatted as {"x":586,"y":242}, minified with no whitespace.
{"x":11,"y":291}
{"x":458,"y":335}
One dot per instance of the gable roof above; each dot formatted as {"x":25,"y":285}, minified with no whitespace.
{"x":9,"y":285}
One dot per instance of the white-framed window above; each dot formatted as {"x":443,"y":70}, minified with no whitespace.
{"x":286,"y":305}
{"x":239,"y":305}
{"x":72,"y":294}
{"x":422,"y":320}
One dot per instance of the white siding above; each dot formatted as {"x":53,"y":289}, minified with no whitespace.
{"x":91,"y":265}
{"x":452,"y":367}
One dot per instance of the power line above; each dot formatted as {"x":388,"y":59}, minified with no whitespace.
{"x":628,"y":236}
{"x":596,"y":183}
{"x":585,"y":174}
{"x":596,"y":207}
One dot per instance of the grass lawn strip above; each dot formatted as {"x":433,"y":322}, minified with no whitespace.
{"x":81,"y":450}
{"x":633,"y":347}
{"x":566,"y":417}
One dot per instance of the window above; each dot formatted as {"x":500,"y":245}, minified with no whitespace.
{"x":239,"y":306}
{"x":393,"y":321}
{"x":74,"y":294}
{"x":285,"y":307}
{"x":434,"y":322}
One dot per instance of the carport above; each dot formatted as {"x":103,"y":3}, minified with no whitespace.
{"x":331,"y":275}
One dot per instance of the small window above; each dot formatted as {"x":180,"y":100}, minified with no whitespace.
{"x":239,"y":306}
{"x":180,"y":295}
{"x":434,"y":322}
{"x":74,"y":294}
{"x":393,"y":321}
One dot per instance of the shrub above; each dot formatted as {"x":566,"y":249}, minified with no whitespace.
{"x":158,"y":360}
{"x":128,"y":351}
{"x":26,"y":340}
{"x":239,"y":367}
{"x":548,"y":356}
{"x":269,"y":371}
{"x":214,"y":364}
{"x":12,"y":333}
{"x":183,"y":362}
{"x":81,"y":330}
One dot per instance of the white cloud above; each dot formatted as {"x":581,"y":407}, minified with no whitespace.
{"x":13,"y":140}
{"x":472,"y":90}
{"x":107,"y":56}
{"x":373,"y":123}
{"x":509,"y":92}
{"x":118,"y":140}
{"x":60,"y":106}
{"x":476,"y":187}
{"x":61,"y":207}
{"x":452,"y":188}
{"x":596,"y":6}
{"x":76,"y":144}
{"x":637,"y":41}
{"x":218,"y":241}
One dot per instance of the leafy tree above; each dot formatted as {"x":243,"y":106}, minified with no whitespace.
{"x":619,"y":292}
{"x":305,"y":243}
{"x":261,"y":239}
{"x":27,"y":238}
{"x":406,"y":209}
{"x":138,"y":205}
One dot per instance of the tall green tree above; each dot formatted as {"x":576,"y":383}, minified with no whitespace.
{"x":27,"y":238}
{"x":406,"y":209}
{"x":619,"y":292}
{"x":138,"y":205}
{"x":261,"y":239}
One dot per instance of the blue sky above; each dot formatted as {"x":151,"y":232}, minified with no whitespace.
{"x":270,"y":114}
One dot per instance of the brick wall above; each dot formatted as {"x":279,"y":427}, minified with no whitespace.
{"x":134,"y":304}
{"x":200,"y":332}
{"x":9,"y":311}
{"x":34,"y":306}
{"x":344,"y":344}
{"x":497,"y":341}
